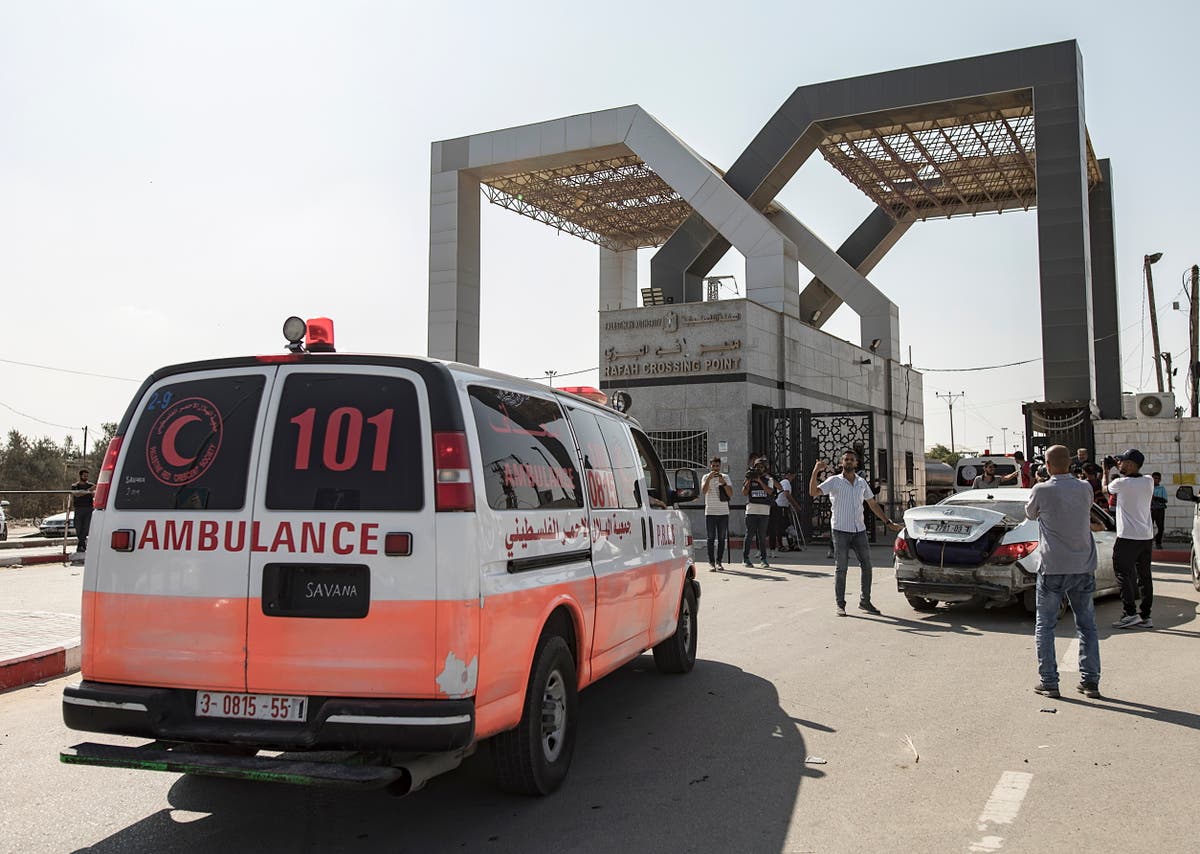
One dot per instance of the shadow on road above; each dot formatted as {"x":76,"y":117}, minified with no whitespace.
{"x":704,"y":762}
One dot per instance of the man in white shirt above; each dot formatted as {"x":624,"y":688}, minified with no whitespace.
{"x":1135,"y":539}
{"x":847,"y":492}
{"x":717,"y":489}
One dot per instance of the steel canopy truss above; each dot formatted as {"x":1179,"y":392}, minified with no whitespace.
{"x":945,"y":166}
{"x":618,"y":203}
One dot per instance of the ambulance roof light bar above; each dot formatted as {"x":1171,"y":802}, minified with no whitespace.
{"x":315,"y":336}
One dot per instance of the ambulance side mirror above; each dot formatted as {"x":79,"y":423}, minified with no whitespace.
{"x":686,"y":485}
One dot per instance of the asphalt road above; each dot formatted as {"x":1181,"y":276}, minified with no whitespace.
{"x":716,"y":760}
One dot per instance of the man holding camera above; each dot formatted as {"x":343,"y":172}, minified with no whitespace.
{"x":759,"y":489}
{"x":847,"y":493}
{"x":1135,"y":538}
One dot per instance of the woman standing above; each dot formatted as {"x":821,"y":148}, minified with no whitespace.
{"x":717,"y":489}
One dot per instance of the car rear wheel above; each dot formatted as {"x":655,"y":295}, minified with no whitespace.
{"x":920,"y":603}
{"x":534,"y":758}
{"x":677,"y":654}
{"x":1195,"y":571}
{"x":1029,"y":600}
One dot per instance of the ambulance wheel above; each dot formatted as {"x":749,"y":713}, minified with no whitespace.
{"x":677,"y":654}
{"x":534,"y":758}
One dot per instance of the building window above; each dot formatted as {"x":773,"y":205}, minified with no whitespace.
{"x":686,"y":449}
{"x":884,"y":471}
{"x":908,"y":467}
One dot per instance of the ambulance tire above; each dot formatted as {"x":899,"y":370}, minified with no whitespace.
{"x":534,"y":758}
{"x":677,"y":654}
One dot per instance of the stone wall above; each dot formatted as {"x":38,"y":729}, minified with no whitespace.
{"x":1171,"y":446}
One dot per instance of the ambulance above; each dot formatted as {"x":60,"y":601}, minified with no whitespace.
{"x":385,"y":559}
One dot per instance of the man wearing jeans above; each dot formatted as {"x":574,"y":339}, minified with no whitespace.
{"x":847,"y":493}
{"x":1133,"y":550}
{"x":1066,"y":568}
{"x":759,"y":489}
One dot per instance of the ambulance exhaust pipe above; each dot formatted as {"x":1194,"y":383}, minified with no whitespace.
{"x":418,"y":771}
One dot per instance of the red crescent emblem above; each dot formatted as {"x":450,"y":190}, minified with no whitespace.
{"x":170,"y":454}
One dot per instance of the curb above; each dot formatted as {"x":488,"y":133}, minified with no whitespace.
{"x":37,"y":666}
{"x":1171,"y":556}
{"x":32,"y":560}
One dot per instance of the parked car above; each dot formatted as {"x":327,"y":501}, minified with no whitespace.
{"x":3,"y":521}
{"x":977,"y":546}
{"x":1186,"y":493}
{"x":52,"y":526}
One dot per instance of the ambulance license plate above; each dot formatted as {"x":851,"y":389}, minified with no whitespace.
{"x":947,"y":528}
{"x":255,"y":707}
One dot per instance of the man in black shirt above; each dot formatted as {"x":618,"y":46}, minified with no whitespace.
{"x":83,"y":491}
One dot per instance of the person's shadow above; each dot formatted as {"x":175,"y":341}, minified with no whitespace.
{"x":703,"y":762}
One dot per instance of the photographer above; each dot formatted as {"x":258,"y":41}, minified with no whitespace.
{"x":1133,"y":492}
{"x":759,"y":490}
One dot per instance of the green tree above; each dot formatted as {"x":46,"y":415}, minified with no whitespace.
{"x":947,"y":456}
{"x":33,"y":464}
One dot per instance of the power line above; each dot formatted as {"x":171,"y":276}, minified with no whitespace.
{"x":38,"y":420}
{"x":67,"y":371}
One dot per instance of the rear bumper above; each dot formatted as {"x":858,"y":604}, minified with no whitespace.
{"x":938,"y":589}
{"x":334,"y":723}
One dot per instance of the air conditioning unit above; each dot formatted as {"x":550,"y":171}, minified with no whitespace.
{"x":1153,"y":405}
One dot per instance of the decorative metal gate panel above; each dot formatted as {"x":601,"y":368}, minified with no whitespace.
{"x":796,"y":438}
{"x":681,"y":448}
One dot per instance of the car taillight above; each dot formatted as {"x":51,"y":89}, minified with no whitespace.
{"x":900,"y":547}
{"x":452,"y":472}
{"x":104,"y":479}
{"x":1010,"y":552}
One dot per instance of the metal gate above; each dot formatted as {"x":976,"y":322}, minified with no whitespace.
{"x":794,"y":439}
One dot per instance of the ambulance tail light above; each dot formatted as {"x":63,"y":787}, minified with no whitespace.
{"x":453,"y":488}
{"x":104,"y":479}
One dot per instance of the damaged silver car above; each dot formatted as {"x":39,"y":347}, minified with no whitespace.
{"x":978,"y":547}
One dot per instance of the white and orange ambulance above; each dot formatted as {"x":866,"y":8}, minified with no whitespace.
{"x":398,"y":556}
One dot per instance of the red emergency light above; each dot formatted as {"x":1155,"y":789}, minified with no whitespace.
{"x":587,"y":391}
{"x":319,"y":335}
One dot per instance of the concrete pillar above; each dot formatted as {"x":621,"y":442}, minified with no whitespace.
{"x":774,"y":281}
{"x":454,"y":267}
{"x":618,"y":279}
{"x":1064,"y":250}
{"x":1105,"y":325}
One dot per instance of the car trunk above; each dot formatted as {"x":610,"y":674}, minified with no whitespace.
{"x":948,"y":535}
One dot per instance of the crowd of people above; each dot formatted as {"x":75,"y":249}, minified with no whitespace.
{"x":1063,"y":490}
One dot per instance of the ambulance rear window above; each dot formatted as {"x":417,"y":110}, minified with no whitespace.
{"x":347,"y":442}
{"x":191,"y":446}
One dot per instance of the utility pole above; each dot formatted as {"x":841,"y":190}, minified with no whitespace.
{"x":85,"y":443}
{"x":1194,"y":340}
{"x":950,"y":397}
{"x":550,"y":375}
{"x":989,"y":443}
{"x":1166,"y":357}
{"x":1004,"y":440}
{"x":1147,"y":261}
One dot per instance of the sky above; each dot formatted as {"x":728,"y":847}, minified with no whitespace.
{"x":177,"y":179}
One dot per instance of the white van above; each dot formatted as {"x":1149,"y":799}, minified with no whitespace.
{"x":391,"y":555}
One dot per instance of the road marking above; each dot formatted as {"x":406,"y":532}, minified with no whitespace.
{"x":1070,"y":659}
{"x":1001,"y":808}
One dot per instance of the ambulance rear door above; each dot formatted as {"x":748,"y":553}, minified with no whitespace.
{"x":164,"y":599}
{"x":347,"y":461}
